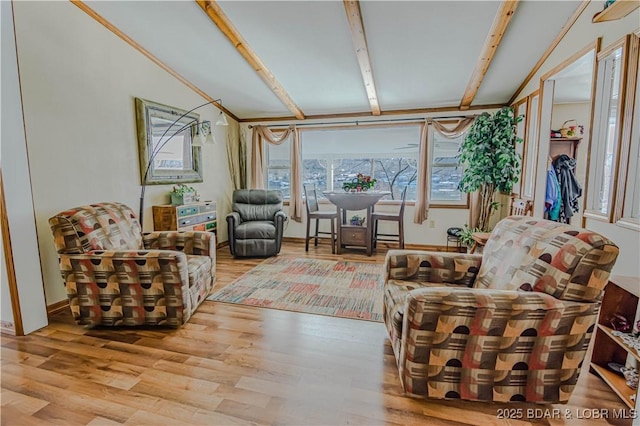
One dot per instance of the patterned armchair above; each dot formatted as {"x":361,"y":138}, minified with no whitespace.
{"x":116,"y":276}
{"x":512,"y":324}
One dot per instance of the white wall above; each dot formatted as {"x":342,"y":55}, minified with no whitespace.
{"x":581,"y":34}
{"x":17,"y":187}
{"x":79,"y":81}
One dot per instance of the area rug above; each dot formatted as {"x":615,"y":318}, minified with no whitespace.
{"x":326,"y":287}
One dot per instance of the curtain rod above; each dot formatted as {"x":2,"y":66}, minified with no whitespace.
{"x":358,"y":122}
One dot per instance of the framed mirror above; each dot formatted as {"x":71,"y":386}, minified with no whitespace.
{"x":165,"y":144}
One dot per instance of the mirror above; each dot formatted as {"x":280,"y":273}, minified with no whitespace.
{"x":165,"y":143}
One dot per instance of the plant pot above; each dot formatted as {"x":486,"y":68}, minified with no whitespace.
{"x":180,"y":199}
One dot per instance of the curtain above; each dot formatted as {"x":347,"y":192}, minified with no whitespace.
{"x":422,"y":197}
{"x":424,"y":162}
{"x":237,"y":158}
{"x":261,"y":133}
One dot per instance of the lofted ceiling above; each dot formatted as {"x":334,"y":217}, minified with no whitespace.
{"x":418,"y":55}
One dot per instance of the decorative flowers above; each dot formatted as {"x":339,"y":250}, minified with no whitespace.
{"x":360,"y":183}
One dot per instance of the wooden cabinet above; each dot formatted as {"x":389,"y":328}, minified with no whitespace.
{"x":352,"y":235}
{"x":620,"y":297}
{"x":188,"y":217}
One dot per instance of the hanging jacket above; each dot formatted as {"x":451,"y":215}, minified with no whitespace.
{"x":553,"y":200}
{"x":570,"y":189}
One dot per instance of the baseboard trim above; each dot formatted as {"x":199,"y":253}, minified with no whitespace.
{"x":387,"y":245}
{"x":7,"y":327}
{"x":56,"y":308}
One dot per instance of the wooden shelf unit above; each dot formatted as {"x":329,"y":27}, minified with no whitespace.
{"x":621,"y":296}
{"x":188,"y":217}
{"x":617,"y":10}
{"x":569,"y":146}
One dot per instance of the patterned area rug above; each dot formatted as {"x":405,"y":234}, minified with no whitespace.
{"x":326,"y":287}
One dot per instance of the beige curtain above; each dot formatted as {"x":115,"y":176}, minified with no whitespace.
{"x":424,"y":162}
{"x":261,"y":133}
{"x":237,"y":158}
{"x":422,"y":197}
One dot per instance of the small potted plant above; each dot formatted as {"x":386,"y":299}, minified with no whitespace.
{"x":466,"y":236}
{"x":182,"y":194}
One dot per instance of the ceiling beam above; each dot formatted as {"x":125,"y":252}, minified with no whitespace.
{"x":500,"y":23}
{"x":215,"y":13}
{"x":115,"y":30}
{"x":551,"y":47}
{"x":354,"y":16}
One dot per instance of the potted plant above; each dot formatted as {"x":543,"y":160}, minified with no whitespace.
{"x":465,"y":236}
{"x":182,"y":194}
{"x":490,"y":159}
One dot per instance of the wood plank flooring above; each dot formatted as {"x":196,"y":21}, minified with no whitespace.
{"x":234,"y":364}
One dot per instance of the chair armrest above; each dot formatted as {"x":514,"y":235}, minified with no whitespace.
{"x":233,"y":219}
{"x":433,"y":267}
{"x":280,"y":216}
{"x":198,"y":243}
{"x":461,"y":332}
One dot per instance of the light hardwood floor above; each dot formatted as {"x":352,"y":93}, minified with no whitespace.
{"x":235,"y":364}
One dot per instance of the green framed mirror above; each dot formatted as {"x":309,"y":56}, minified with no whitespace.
{"x":165,"y":144}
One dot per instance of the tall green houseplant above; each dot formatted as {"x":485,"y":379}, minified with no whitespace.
{"x":490,"y":159}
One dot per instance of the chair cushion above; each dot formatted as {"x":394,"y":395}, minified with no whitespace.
{"x":528,"y":254}
{"x":257,"y":229}
{"x":101,"y":226}
{"x":198,"y":267}
{"x":257,"y":204}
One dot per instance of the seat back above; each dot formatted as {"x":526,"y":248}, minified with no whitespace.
{"x":520,"y":207}
{"x":530,"y":254}
{"x":101,"y":226}
{"x":404,"y":199}
{"x":257,"y":204}
{"x":311,"y":197}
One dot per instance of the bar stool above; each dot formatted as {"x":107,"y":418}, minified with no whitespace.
{"x":313,"y":212}
{"x":397,"y":217}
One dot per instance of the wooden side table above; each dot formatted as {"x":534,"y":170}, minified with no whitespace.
{"x":479,"y":239}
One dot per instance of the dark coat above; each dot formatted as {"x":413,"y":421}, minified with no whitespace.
{"x":570,"y":189}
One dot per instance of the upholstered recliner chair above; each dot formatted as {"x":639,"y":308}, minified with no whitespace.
{"x":512,"y":324}
{"x":116,"y":276}
{"x":256,"y":223}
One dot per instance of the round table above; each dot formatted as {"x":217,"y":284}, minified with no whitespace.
{"x":353,"y":235}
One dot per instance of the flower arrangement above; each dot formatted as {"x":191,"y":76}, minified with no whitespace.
{"x":360,"y":183}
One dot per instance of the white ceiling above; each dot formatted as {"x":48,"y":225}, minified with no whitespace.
{"x":422,"y":52}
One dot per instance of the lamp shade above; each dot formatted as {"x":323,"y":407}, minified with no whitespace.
{"x":222,"y":120}
{"x":198,"y":138}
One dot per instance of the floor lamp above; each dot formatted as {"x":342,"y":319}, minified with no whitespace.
{"x":203,"y":135}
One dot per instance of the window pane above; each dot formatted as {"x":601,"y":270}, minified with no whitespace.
{"x":607,"y":133}
{"x":394,"y":174}
{"x":446,"y":171}
{"x":315,"y":171}
{"x":532,"y":148}
{"x":279,"y":167}
{"x":388,"y":154}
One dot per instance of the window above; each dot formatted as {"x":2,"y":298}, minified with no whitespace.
{"x":446,"y":171}
{"x":389,"y":154}
{"x":520,"y":109}
{"x":279,"y":167}
{"x":531,"y":147}
{"x":606,"y":134}
{"x":629,"y":177}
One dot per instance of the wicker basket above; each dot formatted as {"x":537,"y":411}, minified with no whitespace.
{"x":569,"y":131}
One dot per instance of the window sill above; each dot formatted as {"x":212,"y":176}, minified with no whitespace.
{"x":633,"y":224}
{"x":592,"y":214}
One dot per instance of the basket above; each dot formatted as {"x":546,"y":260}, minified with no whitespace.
{"x":569,"y":131}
